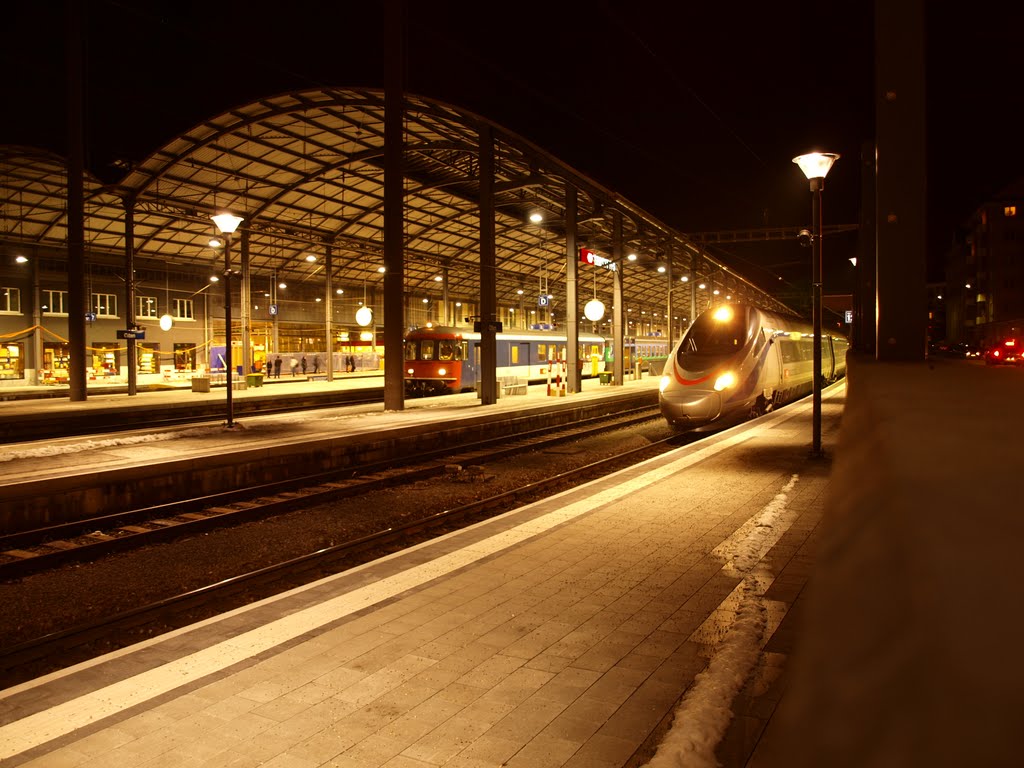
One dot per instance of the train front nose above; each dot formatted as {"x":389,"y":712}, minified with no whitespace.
{"x":690,"y":407}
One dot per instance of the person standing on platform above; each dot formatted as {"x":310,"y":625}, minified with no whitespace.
{"x":316,"y":364}
{"x":303,"y":365}
{"x":277,"y":367}
{"x":294,"y":364}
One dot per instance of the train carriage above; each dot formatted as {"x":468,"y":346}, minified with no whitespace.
{"x":445,"y":360}
{"x":737,"y":361}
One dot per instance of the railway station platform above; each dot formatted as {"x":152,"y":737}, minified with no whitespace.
{"x":736,"y":601}
{"x":54,"y":480}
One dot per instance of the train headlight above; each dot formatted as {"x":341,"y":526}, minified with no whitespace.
{"x":725,"y":381}
{"x":723,"y":314}
{"x":409,"y":371}
{"x":441,"y":371}
{"x":663,"y":384}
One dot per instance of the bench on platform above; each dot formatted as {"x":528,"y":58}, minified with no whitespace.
{"x":510,"y":385}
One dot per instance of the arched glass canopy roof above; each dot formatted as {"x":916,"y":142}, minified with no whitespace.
{"x":306,"y":171}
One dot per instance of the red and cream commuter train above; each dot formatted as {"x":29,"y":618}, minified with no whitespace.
{"x":446,"y":360}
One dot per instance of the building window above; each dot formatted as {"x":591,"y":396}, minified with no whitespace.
{"x":10,"y":300}
{"x":145,"y":306}
{"x":183,"y":309}
{"x":1010,"y":210}
{"x":55,"y":302}
{"x":104,"y":304}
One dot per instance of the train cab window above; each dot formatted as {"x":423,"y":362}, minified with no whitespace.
{"x":447,"y":349}
{"x":710,"y":336}
{"x":758,"y":342}
{"x":427,"y":350}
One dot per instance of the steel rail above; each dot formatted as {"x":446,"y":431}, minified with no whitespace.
{"x":55,"y":546}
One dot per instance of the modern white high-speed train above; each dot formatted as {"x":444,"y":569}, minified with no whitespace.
{"x":738,"y":361}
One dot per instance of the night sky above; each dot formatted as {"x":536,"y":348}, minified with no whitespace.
{"x":694,"y":112}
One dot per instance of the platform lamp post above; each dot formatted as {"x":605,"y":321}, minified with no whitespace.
{"x":227,"y":223}
{"x":815,"y":166}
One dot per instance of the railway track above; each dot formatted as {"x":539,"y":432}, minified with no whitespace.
{"x":59,"y":649}
{"x":32,"y":551}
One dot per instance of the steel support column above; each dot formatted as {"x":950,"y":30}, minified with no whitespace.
{"x":618,"y":310}
{"x":76,"y":204}
{"x":572,"y":331}
{"x":129,"y":293}
{"x":902,"y":297}
{"x":488,"y":278}
{"x":394,"y":209}
{"x":245,"y":305}
{"x":329,"y":310}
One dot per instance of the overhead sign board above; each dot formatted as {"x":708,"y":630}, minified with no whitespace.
{"x":132,"y":334}
{"x":487,"y":326}
{"x":589,"y":257}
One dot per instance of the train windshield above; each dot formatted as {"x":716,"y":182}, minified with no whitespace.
{"x":431,"y":349}
{"x":714,"y":334}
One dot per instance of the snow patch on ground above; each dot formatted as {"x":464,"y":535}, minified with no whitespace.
{"x":703,"y":715}
{"x":60,"y":449}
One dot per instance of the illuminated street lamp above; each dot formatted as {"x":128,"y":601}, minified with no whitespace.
{"x":227,"y":223}
{"x":815,"y":166}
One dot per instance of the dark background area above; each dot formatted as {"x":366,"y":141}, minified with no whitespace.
{"x":693,"y":113}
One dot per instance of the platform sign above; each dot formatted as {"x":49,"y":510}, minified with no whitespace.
{"x":273,"y":310}
{"x":542,"y":300}
{"x":90,"y":317}
{"x":589,"y":257}
{"x":133,"y":333}
{"x":849,"y":316}
{"x":487,"y":326}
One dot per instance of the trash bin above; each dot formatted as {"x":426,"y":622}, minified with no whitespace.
{"x":200,"y":383}
{"x":254,"y":379}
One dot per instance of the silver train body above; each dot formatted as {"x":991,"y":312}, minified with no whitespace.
{"x":737,"y":361}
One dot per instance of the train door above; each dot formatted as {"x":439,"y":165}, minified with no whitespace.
{"x":522,"y":359}
{"x":473,"y":375}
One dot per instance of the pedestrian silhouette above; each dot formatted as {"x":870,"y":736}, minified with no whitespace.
{"x":316,"y":364}
{"x":277,"y":367}
{"x":294,"y":364}
{"x":303,"y":365}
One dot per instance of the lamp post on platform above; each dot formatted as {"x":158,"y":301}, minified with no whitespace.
{"x":815,"y":166}
{"x":227,"y":223}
